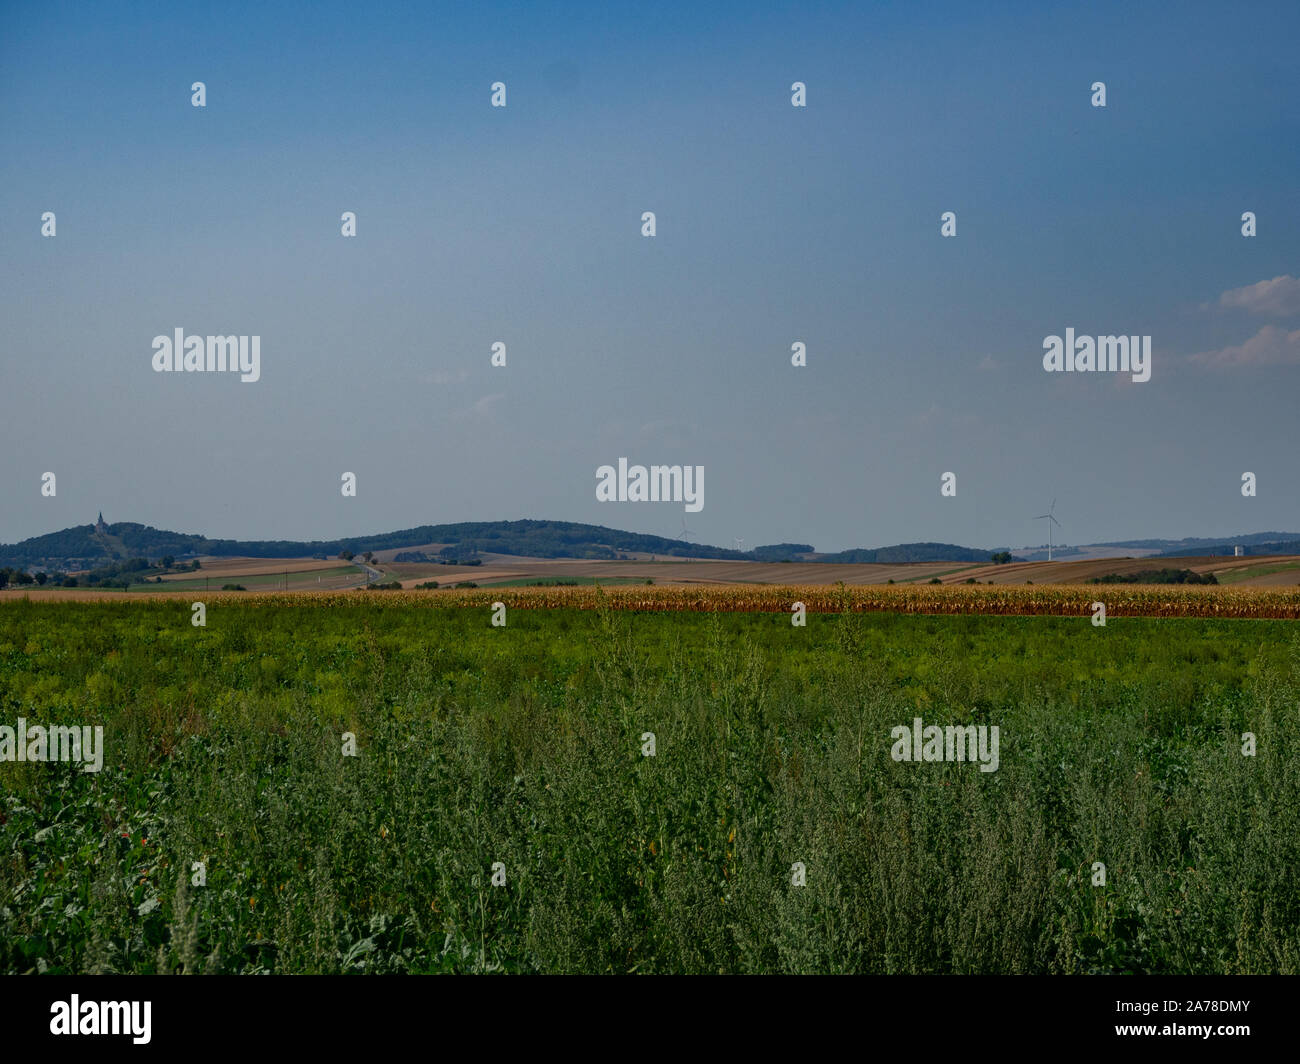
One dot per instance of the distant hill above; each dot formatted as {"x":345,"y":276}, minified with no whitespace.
{"x":82,"y":547}
{"x":1285,"y":546}
{"x":535,"y":539}
{"x":781,"y":552}
{"x":1192,"y":545}
{"x":903,"y":553}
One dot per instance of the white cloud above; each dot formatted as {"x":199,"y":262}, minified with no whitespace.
{"x":1270,"y":346}
{"x":1279,"y":297}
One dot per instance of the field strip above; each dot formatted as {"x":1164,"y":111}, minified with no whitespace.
{"x":1121,"y":600}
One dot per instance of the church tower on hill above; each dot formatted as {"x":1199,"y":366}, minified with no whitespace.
{"x":99,"y":525}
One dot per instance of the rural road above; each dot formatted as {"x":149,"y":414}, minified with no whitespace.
{"x":372,"y":574}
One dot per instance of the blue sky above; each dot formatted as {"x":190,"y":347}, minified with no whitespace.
{"x":775,"y":224}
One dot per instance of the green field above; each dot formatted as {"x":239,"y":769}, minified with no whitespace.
{"x":523,"y":745}
{"x":1232,"y":576}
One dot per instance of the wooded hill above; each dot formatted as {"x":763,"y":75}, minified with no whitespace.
{"x":82,"y":547}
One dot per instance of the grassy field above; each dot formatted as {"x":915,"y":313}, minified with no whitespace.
{"x":1290,"y":569}
{"x":522,"y":747}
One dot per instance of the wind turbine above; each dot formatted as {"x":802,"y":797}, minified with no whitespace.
{"x":1051,"y":520}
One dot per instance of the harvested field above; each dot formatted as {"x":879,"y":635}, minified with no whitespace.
{"x":230,"y":567}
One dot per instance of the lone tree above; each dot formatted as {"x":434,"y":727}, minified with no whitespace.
{"x":1001,"y":558}
{"x":346,"y":555}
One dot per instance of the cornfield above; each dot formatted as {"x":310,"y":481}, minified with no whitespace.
{"x":1016,"y":600}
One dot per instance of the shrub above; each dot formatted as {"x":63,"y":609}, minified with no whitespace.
{"x":1156,"y":576}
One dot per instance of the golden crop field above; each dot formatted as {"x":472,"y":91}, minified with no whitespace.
{"x":1014,"y":600}
{"x":1120,"y":600}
